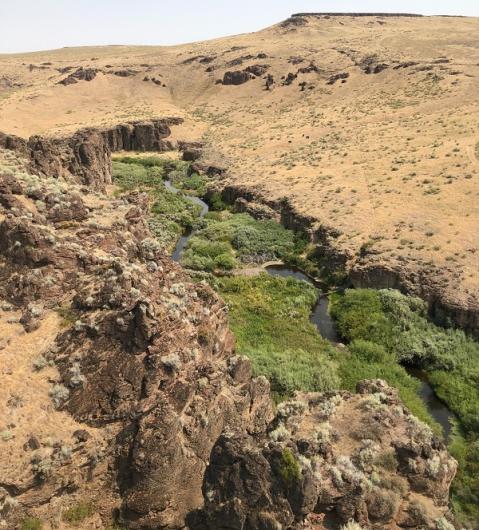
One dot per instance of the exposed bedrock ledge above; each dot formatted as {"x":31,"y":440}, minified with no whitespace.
{"x":419,"y":282}
{"x":340,"y":14}
{"x":409,"y":278}
{"x":85,"y":157}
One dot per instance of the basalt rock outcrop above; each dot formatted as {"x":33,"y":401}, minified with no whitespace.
{"x":237,"y":77}
{"x":85,"y":157}
{"x":146,"y":358}
{"x":329,"y":459}
{"x":81,"y":74}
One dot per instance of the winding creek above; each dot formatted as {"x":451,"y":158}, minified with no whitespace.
{"x":324,"y":323}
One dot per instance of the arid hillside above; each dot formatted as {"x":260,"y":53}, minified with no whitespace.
{"x":367,"y":125}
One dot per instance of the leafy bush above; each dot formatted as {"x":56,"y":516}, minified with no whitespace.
{"x":78,"y":513}
{"x":387,"y":460}
{"x":369,"y":352}
{"x":133,"y":175}
{"x":202,"y":254}
{"x":31,"y":523}
{"x":192,"y":184}
{"x":175,"y":207}
{"x":288,"y":468}
{"x":465,"y":492}
{"x":216,"y":202}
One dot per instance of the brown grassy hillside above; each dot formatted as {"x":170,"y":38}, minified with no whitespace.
{"x":375,"y":136}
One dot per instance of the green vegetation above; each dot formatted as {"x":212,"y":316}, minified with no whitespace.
{"x":193,"y":184}
{"x":216,"y":202}
{"x":31,"y":523}
{"x":172,"y":213}
{"x":270,"y":319}
{"x":228,"y":238}
{"x":365,"y":360}
{"x":465,"y":491}
{"x":288,"y":468}
{"x":78,"y":513}
{"x":399,"y":324}
{"x":386,"y":324}
{"x":68,"y":316}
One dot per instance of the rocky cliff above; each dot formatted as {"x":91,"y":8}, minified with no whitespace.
{"x":328,"y":459}
{"x":122,"y":389}
{"x":85,"y":157}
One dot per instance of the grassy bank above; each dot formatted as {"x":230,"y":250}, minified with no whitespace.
{"x":270,"y":319}
{"x":396,"y":326}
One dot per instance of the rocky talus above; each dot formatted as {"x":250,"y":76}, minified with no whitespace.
{"x":147,"y":413}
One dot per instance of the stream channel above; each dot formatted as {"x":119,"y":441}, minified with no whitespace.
{"x":324,"y":323}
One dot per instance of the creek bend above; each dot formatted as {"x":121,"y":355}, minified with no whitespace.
{"x":324,"y":323}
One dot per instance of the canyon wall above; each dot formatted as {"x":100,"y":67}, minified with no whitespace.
{"x":368,"y":271}
{"x":85,"y":157}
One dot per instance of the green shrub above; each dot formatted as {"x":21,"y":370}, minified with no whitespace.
{"x":78,"y":513}
{"x":216,"y":203}
{"x":288,"y":468}
{"x":191,"y":184}
{"x":465,"y":490}
{"x":31,"y":523}
{"x":226,"y":262}
{"x":387,"y":460}
{"x":369,"y":352}
{"x":270,"y":319}
{"x":134,"y":175}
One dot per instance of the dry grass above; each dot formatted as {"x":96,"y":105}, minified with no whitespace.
{"x":389,"y":159}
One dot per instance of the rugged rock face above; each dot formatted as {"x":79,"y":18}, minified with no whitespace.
{"x":257,"y":69}
{"x":191,"y":150}
{"x":146,"y":359}
{"x":331,"y":458}
{"x":81,"y":74}
{"x":342,"y":76}
{"x":10,"y":141}
{"x":237,"y":77}
{"x":85,"y":157}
